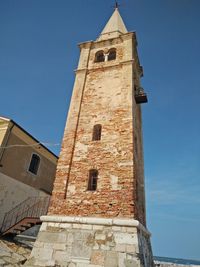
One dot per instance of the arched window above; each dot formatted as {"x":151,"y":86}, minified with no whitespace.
{"x":92,"y":183}
{"x":112,"y":54}
{"x":96,"y":132}
{"x":99,"y":57}
{"x":34,"y":164}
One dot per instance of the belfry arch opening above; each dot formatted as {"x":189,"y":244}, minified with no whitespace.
{"x":112,"y":54}
{"x":99,"y":56}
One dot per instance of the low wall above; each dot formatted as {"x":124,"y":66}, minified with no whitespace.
{"x":13,"y":192}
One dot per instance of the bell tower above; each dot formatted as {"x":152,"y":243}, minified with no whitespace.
{"x":97,"y":211}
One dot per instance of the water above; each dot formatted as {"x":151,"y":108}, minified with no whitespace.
{"x":177,"y":261}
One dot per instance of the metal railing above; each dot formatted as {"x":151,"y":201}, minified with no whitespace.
{"x":32,"y":207}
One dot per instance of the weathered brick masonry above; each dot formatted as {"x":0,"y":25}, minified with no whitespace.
{"x":103,"y":93}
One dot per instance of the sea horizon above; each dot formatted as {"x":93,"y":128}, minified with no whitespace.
{"x":176,"y":260}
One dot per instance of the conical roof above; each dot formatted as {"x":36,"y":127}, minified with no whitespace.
{"x":114,"y":27}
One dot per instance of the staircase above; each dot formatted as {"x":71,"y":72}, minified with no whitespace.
{"x":25,"y":215}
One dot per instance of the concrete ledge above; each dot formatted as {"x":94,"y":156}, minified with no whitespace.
{"x":96,"y":221}
{"x":26,"y":238}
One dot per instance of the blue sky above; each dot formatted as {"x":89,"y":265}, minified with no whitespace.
{"x":38,"y":53}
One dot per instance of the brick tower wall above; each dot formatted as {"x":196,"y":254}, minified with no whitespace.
{"x":103,"y":94}
{"x":104,"y":227}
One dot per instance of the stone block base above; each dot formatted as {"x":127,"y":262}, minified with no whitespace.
{"x":91,"y":242}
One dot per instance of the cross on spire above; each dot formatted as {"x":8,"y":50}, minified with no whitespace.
{"x":116,"y":6}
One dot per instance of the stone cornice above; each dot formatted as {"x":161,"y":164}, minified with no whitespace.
{"x":85,"y":44}
{"x":80,"y":70}
{"x":96,"y":221}
{"x":106,"y":67}
{"x":122,"y":37}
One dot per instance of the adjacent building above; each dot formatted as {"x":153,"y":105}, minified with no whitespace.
{"x":27,"y":168}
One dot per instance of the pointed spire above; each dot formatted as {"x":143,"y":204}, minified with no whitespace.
{"x":114,"y":27}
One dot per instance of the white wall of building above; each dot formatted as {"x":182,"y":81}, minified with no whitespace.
{"x":13,"y":192}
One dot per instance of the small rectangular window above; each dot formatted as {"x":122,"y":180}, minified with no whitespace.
{"x":96,"y":132}
{"x":34,"y":164}
{"x":92,"y":183}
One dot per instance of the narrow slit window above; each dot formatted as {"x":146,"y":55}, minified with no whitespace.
{"x":96,"y":132}
{"x":93,"y":177}
{"x":112,"y":54}
{"x":34,"y":164}
{"x":99,"y":57}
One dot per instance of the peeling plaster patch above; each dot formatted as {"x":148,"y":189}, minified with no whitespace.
{"x":72,"y":189}
{"x":82,"y":149}
{"x":114,"y":182}
{"x":126,"y":163}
